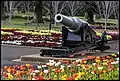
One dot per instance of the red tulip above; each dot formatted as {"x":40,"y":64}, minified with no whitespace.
{"x":14,"y":71}
{"x":19,"y":78}
{"x":22,"y":66}
{"x":72,"y":70}
{"x":5,"y":67}
{"x":94,"y":72}
{"x":86,"y":66}
{"x":71,"y":78}
{"x":76,"y":63}
{"x":100,"y":71}
{"x":10,"y":67}
{"x":58,"y":70}
{"x":40,"y":78}
{"x":31,"y":66}
{"x":4,"y":73}
{"x":74,"y":75}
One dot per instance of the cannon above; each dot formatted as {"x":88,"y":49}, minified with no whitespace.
{"x":77,"y":35}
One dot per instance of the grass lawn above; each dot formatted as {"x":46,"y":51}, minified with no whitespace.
{"x":19,"y":23}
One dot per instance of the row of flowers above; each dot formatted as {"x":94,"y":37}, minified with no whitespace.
{"x":44,"y":38}
{"x":91,"y":68}
{"x":103,"y":27}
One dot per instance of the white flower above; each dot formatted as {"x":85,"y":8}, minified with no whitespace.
{"x":36,"y":71}
{"x":33,"y":79}
{"x":69,"y":65}
{"x":94,"y":64}
{"x":8,"y":73}
{"x":79,"y":60}
{"x":117,"y":59}
{"x":3,"y":42}
{"x":46,"y":71}
{"x":78,"y":64}
{"x":51,"y":64}
{"x":100,"y":68}
{"x":58,"y":63}
{"x":62,"y":66}
{"x":117,"y":52}
{"x":58,"y":43}
{"x":47,"y":63}
{"x":44,"y":66}
{"x":7,"y":42}
{"x":34,"y":74}
{"x":18,"y":43}
{"x":51,"y":60}
{"x":31,"y":73}
{"x":38,"y":67}
{"x":115,"y":62}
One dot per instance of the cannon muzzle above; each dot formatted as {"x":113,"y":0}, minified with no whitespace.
{"x":73,"y":23}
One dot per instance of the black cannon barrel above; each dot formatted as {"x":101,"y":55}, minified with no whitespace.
{"x":73,"y":23}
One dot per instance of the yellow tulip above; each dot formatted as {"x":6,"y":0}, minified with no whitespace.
{"x":97,"y":61}
{"x":10,"y":77}
{"x":106,"y":60}
{"x":77,"y":78}
{"x":100,"y":68}
{"x":85,"y":61}
{"x":64,"y":76}
{"x":9,"y":70}
{"x":53,"y":69}
{"x":114,"y":55}
{"x":98,"y":57}
{"x":105,"y":63}
{"x":82,"y":65}
{"x":62,"y":70}
{"x":81,"y":74}
{"x":104,"y":71}
{"x":118,"y":69}
{"x":27,"y":65}
{"x":41,"y":73}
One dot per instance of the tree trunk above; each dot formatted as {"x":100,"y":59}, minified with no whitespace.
{"x":38,"y":12}
{"x":10,"y":10}
{"x":105,"y":22}
{"x":90,"y":17}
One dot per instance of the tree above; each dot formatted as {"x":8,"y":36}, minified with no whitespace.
{"x":54,"y":8}
{"x":9,"y":10}
{"x":57,"y":8}
{"x":116,"y":10}
{"x":38,"y":12}
{"x":73,"y":7}
{"x":90,"y":10}
{"x":2,"y":10}
{"x":105,"y":9}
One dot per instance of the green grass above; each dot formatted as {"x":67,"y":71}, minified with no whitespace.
{"x":19,"y":23}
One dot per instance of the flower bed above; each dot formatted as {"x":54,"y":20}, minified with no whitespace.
{"x":42,"y":38}
{"x":92,"y":68}
{"x":103,"y":27}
